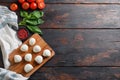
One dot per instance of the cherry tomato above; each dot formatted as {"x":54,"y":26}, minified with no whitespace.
{"x":25,"y":5}
{"x":33,"y":6}
{"x":41,"y":5}
{"x":30,"y":0}
{"x":21,"y":1}
{"x":39,"y":1}
{"x":13,"y":6}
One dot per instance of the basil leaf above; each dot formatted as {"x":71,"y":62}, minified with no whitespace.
{"x":35,"y":15}
{"x":23,"y":22}
{"x":41,"y":14}
{"x":38,"y":14}
{"x":34,"y":22}
{"x":31,"y":16}
{"x":34,"y":29}
{"x":24,"y":14}
{"x":40,"y":21}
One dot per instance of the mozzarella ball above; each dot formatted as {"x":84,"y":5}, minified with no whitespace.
{"x":28,"y":57}
{"x":36,"y":48}
{"x":24,"y":47}
{"x":39,"y":59}
{"x":46,"y":53}
{"x":28,"y":68}
{"x":32,"y":41}
{"x":17,"y":58}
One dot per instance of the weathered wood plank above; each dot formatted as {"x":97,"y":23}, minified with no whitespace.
{"x":84,"y":47}
{"x":104,"y":43}
{"x":82,"y":1}
{"x":81,"y":16}
{"x":77,"y":73}
{"x":72,"y":1}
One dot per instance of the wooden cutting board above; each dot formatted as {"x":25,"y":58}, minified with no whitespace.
{"x":19,"y":67}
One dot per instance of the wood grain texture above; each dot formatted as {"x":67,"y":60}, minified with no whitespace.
{"x":78,"y":47}
{"x":72,"y":1}
{"x":83,"y":47}
{"x":82,"y":1}
{"x":77,"y":73}
{"x":81,"y":16}
{"x":85,"y":35}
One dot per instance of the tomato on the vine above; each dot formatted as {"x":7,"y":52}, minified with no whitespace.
{"x":33,"y":6}
{"x":13,"y":6}
{"x":41,"y":5}
{"x":25,"y":5}
{"x":21,"y":1}
{"x":30,"y":0}
{"x":39,"y":1}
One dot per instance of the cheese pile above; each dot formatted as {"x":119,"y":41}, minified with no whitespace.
{"x":28,"y":55}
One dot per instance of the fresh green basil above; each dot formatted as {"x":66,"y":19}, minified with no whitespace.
{"x":32,"y":20}
{"x":24,"y":14}
{"x":37,"y":14}
{"x":32,"y":15}
{"x":35,"y":29}
{"x":23,"y":22}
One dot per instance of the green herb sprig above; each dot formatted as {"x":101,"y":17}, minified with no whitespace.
{"x":32,"y":20}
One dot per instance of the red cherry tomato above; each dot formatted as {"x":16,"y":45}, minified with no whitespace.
{"x":33,"y":6}
{"x":21,"y":1}
{"x":13,"y":6}
{"x":41,"y":5}
{"x":25,"y":5}
{"x":39,"y":1}
{"x":30,"y":0}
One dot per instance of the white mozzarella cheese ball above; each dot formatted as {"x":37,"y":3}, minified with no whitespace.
{"x":32,"y":41}
{"x":39,"y":59}
{"x":46,"y":53}
{"x":17,"y":58}
{"x":28,"y":57}
{"x":24,"y":47}
{"x":36,"y":48}
{"x":28,"y":68}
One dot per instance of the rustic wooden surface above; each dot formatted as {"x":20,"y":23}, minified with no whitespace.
{"x":85,"y":35}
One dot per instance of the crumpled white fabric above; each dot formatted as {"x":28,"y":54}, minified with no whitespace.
{"x":8,"y":42}
{"x":10,"y":75}
{"x":8,"y":37}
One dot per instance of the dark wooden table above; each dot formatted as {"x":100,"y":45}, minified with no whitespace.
{"x":85,"y":35}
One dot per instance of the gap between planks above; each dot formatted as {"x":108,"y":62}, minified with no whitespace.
{"x":71,"y":3}
{"x":77,"y":66}
{"x":86,"y":28}
{"x":86,"y":3}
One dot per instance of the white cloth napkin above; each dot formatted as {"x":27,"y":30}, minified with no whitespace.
{"x":10,"y":75}
{"x":8,"y":42}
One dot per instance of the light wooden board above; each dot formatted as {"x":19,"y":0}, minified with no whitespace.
{"x":19,"y":67}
